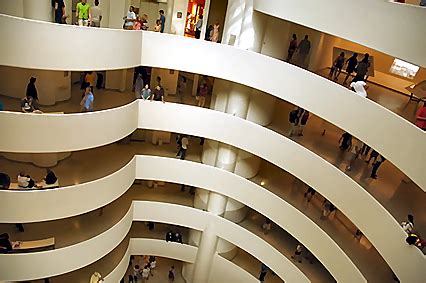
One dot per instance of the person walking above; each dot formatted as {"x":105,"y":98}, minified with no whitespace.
{"x":356,"y":152}
{"x":310,"y":192}
{"x":298,"y":253}
{"x":266,"y":226}
{"x":59,"y":8}
{"x":336,"y":69}
{"x":198,"y":27}
{"x":351,"y":64}
{"x":96,"y":13}
{"x":162,"y":20}
{"x":215,"y":33}
{"x":263,"y":271}
{"x":90,"y":79}
{"x":303,"y":49}
{"x":303,"y":121}
{"x":373,"y":155}
{"x":359,"y":87}
{"x":87,"y":101}
{"x":292,"y":48}
{"x":376,"y":166}
{"x":130,"y":18}
{"x":345,"y":141}
{"x":202,"y":93}
{"x":362,"y":69}
{"x":408,"y":226}
{"x":32,"y":90}
{"x":183,"y":147}
{"x":82,"y":13}
{"x":171,"y":275}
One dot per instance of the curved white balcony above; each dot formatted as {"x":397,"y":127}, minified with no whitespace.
{"x":320,"y":96}
{"x":70,"y":258}
{"x":222,"y":269}
{"x":376,"y":24}
{"x":337,"y":187}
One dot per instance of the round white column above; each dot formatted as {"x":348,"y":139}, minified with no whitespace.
{"x":38,"y":10}
{"x":169,"y":16}
{"x":238,"y":100}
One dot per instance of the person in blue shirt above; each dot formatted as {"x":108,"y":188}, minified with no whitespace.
{"x":162,"y":20}
{"x":87,"y":101}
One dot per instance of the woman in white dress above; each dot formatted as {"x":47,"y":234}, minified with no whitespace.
{"x":215,"y":33}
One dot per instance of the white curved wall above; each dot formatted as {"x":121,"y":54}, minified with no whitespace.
{"x":222,"y":269}
{"x":76,"y":256}
{"x":373,"y":23}
{"x":379,"y":226}
{"x":194,"y":174}
{"x":403,"y":147}
{"x":53,"y":133}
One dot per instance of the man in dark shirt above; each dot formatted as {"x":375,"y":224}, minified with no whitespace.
{"x":351,"y":66}
{"x":59,"y":7}
{"x":31,"y":89}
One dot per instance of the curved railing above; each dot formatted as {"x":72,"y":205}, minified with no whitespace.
{"x":340,"y":189}
{"x":312,"y":92}
{"x":352,"y":20}
{"x":70,"y":258}
{"x":231,"y":185}
{"x":222,"y":269}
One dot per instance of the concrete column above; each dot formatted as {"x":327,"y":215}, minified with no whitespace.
{"x":233,"y":22}
{"x":38,"y":10}
{"x":205,"y":255}
{"x":117,"y":10}
{"x":195,"y":84}
{"x":261,"y":108}
{"x":169,"y":16}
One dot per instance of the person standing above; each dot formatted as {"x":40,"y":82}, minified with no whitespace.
{"x":351,"y":64}
{"x":181,"y":87}
{"x":145,"y":273}
{"x":157,"y":27}
{"x":130,"y":18}
{"x":198,"y":27}
{"x":292,"y":47}
{"x":303,"y":121}
{"x":421,"y":117}
{"x":82,"y":13}
{"x":202,"y":93}
{"x":96,"y":13}
{"x":263,"y":271}
{"x":297,"y":253}
{"x":169,"y":236}
{"x":376,"y":166}
{"x":408,"y":226}
{"x":304,"y":48}
{"x":59,"y":7}
{"x":162,"y":20}
{"x":356,"y":152}
{"x":139,"y":86}
{"x":345,"y":141}
{"x":373,"y":155}
{"x":359,"y":87}
{"x":87,"y":101}
{"x":183,"y":147}
{"x":266,"y":226}
{"x":209,"y":33}
{"x":215,"y":33}
{"x":146,"y":93}
{"x":294,"y":119}
{"x":171,"y":275}
{"x":310,"y":192}
{"x":32,"y":90}
{"x":362,"y":69}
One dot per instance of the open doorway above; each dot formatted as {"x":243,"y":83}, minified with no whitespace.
{"x":194,"y":11}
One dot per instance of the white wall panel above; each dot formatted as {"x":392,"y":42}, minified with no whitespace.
{"x":373,"y":23}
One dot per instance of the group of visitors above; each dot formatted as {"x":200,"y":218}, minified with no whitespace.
{"x":413,"y":237}
{"x":26,"y":182}
{"x":358,"y":150}
{"x":144,"y":270}
{"x":174,"y":237}
{"x":298,"y":119}
{"x":140,"y":22}
{"x":302,"y":49}
{"x":85,"y":14}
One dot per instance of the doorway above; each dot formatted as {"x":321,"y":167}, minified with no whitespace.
{"x":194,"y":11}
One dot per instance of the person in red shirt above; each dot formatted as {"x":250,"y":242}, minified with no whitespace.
{"x":421,"y":118}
